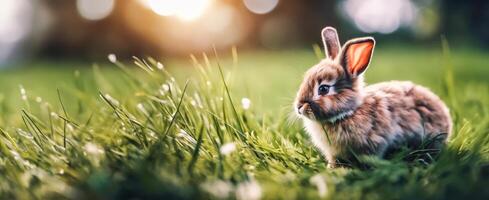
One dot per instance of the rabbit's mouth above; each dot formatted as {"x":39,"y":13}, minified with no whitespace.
{"x":310,"y":109}
{"x":314,"y":111}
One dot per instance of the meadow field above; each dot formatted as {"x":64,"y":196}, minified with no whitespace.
{"x":202,"y":127}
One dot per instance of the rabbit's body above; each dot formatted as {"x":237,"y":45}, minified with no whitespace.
{"x":391,"y":114}
{"x":344,"y":118}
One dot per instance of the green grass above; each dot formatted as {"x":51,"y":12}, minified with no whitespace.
{"x":116,"y":132}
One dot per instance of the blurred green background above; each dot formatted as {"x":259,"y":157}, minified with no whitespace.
{"x":42,"y":43}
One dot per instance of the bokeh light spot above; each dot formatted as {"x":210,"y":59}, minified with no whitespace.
{"x":382,"y":16}
{"x":94,"y":9}
{"x":260,"y":6}
{"x":164,"y":7}
{"x":186,"y":10}
{"x":15,"y":24}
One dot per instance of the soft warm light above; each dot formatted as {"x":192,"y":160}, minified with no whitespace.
{"x":383,"y":16}
{"x":260,"y":6}
{"x":94,"y":9}
{"x":187,"y":10}
{"x":164,"y":7}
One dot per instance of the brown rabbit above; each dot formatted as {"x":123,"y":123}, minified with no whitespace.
{"x":344,"y":118}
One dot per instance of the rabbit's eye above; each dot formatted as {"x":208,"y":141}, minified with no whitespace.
{"x":323,"y":89}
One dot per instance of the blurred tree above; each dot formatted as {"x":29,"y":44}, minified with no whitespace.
{"x":465,"y":21}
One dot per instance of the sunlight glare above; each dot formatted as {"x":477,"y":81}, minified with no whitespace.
{"x":187,"y":10}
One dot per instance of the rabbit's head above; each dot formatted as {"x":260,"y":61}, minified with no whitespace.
{"x":332,"y":89}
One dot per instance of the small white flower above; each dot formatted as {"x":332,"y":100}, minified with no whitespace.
{"x":94,"y":153}
{"x":249,"y":190}
{"x":165,"y":87}
{"x":246,"y":103}
{"x":22,"y":90}
{"x":160,"y":66}
{"x":227,"y":148}
{"x":38,"y":99}
{"x":61,"y":171}
{"x":93,"y":149}
{"x":54,"y":115}
{"x":112,"y":58}
{"x":219,"y":189}
{"x":70,"y":127}
{"x":320,"y":183}
{"x":141,"y":108}
{"x":152,"y":134}
{"x":23,"y":93}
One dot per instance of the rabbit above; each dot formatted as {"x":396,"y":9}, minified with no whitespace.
{"x":345,"y":118}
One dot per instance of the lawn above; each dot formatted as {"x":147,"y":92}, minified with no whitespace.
{"x":109,"y":131}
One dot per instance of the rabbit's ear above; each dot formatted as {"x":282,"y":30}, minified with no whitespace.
{"x":331,"y":42}
{"x":356,"y":55}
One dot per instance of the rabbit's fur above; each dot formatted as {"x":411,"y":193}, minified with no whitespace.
{"x":350,"y":119}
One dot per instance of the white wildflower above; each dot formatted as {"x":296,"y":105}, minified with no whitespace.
{"x":38,"y":99}
{"x":54,"y":115}
{"x":112,"y":58}
{"x":249,"y":190}
{"x":22,"y":90}
{"x":160,"y":66}
{"x":70,"y":127}
{"x":227,"y":148}
{"x":94,"y":153}
{"x":23,"y":93}
{"x":61,"y":171}
{"x":93,"y":149}
{"x":320,"y":183}
{"x":141,"y":108}
{"x":165,"y":87}
{"x":152,"y":134}
{"x":246,"y":103}
{"x":219,"y":189}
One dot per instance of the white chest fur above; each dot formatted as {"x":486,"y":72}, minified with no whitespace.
{"x":319,"y":138}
